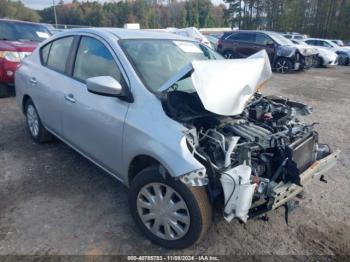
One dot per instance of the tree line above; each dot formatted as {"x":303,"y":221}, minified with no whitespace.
{"x":150,"y":14}
{"x":319,"y":18}
{"x":16,"y":10}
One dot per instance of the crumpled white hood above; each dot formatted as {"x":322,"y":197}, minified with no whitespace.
{"x":226,"y":86}
{"x":306,"y":50}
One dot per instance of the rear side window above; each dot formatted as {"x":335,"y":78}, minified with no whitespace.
{"x":58,"y":53}
{"x":243,"y":37}
{"x":94,"y":59}
{"x":318,"y":43}
{"x":233,"y":37}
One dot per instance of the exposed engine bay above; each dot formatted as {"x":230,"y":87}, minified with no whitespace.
{"x":248,"y":156}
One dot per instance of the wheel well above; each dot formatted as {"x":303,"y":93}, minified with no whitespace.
{"x":138,"y":164}
{"x":24,"y":101}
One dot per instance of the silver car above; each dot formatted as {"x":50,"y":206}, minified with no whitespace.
{"x":173,"y":121}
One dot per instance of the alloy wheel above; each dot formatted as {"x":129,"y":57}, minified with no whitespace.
{"x":33,"y":120}
{"x":282,"y":66}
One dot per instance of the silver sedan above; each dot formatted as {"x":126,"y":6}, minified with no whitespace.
{"x":175,"y":122}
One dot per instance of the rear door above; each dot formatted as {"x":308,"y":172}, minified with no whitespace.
{"x":49,"y":80}
{"x":92,"y":123}
{"x":246,"y":44}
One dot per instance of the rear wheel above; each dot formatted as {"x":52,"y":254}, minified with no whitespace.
{"x":168,"y":212}
{"x":283,"y":65}
{"x":36,"y":129}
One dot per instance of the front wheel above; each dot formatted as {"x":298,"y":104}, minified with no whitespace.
{"x":283,"y":65}
{"x":168,"y":212}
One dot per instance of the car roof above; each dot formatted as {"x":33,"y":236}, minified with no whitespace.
{"x":130,"y":33}
{"x":253,"y":31}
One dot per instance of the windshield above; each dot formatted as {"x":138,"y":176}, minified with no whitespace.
{"x":13,"y":31}
{"x":280,"y":39}
{"x":157,"y":60}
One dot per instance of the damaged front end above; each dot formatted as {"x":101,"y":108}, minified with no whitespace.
{"x":256,"y":154}
{"x":301,"y":56}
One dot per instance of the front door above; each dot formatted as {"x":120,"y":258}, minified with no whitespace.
{"x":93,"y":123}
{"x":265,"y":42}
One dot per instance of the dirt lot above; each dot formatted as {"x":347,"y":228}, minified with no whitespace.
{"x":53,"y":201}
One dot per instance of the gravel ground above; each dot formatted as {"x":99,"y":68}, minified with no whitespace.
{"x":53,"y":201}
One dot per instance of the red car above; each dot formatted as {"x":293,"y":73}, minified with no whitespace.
{"x":18,"y":39}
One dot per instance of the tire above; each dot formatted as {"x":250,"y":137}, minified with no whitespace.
{"x":35,"y":127}
{"x":230,"y":55}
{"x":193,"y":208}
{"x":283,"y":65}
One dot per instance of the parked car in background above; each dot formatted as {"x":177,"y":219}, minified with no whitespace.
{"x":175,"y":122}
{"x":53,"y":30}
{"x":191,"y":32}
{"x":284,"y":55}
{"x":343,"y":52}
{"x":325,"y":56}
{"x":17,"y":40}
{"x":294,"y":36}
{"x":338,"y":42}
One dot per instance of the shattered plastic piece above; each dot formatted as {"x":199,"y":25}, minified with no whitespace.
{"x":238,"y":192}
{"x":226,"y":86}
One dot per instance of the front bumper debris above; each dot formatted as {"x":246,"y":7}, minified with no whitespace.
{"x":284,"y":192}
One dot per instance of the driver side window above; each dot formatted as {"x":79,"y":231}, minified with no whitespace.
{"x":94,"y":59}
{"x":261,"y":39}
{"x":325,"y":44}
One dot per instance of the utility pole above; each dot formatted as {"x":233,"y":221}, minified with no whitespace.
{"x":54,"y":11}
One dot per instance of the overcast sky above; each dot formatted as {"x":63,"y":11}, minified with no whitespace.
{"x":40,"y":4}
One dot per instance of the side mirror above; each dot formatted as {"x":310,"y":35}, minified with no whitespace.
{"x":104,"y":86}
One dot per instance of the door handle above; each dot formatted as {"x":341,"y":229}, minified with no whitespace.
{"x":33,"y":81}
{"x":70,"y":98}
